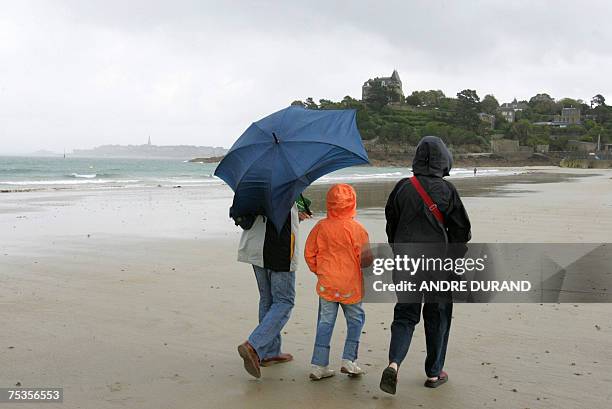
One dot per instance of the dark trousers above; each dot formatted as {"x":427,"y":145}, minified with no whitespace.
{"x":437,"y":317}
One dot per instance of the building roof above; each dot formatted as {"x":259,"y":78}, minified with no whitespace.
{"x":394,"y":78}
{"x":514,"y":105}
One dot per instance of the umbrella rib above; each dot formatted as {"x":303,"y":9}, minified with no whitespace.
{"x":254,"y":143}
{"x":284,"y":156}
{"x":258,"y":156}
{"x":327,"y":143}
{"x":282,"y":121}
{"x":308,"y":124}
{"x":319,"y":119}
{"x":247,"y":146}
{"x":260,"y":129}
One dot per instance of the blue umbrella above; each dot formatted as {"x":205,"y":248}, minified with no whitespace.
{"x":277,"y":157}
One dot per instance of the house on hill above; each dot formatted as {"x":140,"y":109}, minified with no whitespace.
{"x":488,"y":119}
{"x":393,"y":83}
{"x":517,"y":106}
{"x":508,"y":109}
{"x":570,"y":116}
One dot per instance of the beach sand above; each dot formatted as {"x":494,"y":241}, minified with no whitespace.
{"x":132,"y":298}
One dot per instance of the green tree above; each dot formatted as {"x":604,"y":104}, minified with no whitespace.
{"x":467,"y":109}
{"x":595,"y":132}
{"x":299,"y":103}
{"x":598,"y":100}
{"x":394,"y":96}
{"x":570,"y":102}
{"x":380,"y":95}
{"x":310,"y":104}
{"x":432,"y":98}
{"x":489,"y":104}
{"x":603,"y":115}
{"x":414,"y":99}
{"x":327,"y":104}
{"x":349,"y":102}
{"x":544,"y":104}
{"x":521,"y":130}
{"x":501,"y":123}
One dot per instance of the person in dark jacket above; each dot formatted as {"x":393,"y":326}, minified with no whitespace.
{"x":410,"y":221}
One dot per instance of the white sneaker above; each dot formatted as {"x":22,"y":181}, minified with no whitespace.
{"x":320,"y":372}
{"x":351,"y":368}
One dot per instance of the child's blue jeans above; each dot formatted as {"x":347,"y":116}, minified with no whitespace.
{"x":355,"y":319}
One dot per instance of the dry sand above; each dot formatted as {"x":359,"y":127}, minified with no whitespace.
{"x":132,"y":298}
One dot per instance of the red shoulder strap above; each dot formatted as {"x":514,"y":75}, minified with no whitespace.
{"x":433,"y":208}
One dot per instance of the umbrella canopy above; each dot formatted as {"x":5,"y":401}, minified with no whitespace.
{"x":277,"y":157}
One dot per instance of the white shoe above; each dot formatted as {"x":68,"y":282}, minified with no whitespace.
{"x":320,"y":372}
{"x":351,"y":368}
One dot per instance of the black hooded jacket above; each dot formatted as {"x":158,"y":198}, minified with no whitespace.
{"x":408,"y":218}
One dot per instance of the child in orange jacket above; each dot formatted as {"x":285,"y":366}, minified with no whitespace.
{"x":335,"y":250}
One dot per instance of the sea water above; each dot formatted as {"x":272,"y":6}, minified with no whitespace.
{"x":47,"y":173}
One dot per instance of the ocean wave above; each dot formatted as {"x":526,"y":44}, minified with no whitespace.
{"x":102,"y":180}
{"x":17,"y":171}
{"x":204,"y":180}
{"x":86,"y":176}
{"x":396,"y":174}
{"x":66,"y":182}
{"x":362,"y":176}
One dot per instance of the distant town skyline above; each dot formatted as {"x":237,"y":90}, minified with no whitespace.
{"x":79,"y":74}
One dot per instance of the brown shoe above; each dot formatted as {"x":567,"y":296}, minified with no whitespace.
{"x":442,"y":378}
{"x":280,"y":359}
{"x":251,"y":360}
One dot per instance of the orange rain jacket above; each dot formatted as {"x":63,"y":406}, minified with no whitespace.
{"x":333,"y":248}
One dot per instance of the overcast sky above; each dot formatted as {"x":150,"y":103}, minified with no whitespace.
{"x":77,"y":74}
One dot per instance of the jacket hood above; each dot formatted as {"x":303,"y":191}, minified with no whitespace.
{"x":341,"y":202}
{"x":432,"y":158}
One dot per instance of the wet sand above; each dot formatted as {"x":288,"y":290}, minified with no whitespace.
{"x":374,"y":194}
{"x":133,"y":299}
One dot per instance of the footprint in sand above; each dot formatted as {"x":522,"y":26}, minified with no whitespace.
{"x":178,"y":379}
{"x":117,"y":387}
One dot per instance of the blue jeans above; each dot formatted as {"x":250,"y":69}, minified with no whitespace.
{"x":437,"y":317}
{"x":276,"y":298}
{"x":355,"y":319}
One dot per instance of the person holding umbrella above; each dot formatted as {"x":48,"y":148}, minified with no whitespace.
{"x":268,"y":168}
{"x":273,"y":256}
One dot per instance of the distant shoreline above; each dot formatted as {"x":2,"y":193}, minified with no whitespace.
{"x":399,"y":159}
{"x":213,"y":159}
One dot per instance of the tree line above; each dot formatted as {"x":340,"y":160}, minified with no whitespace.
{"x":385,"y":115}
